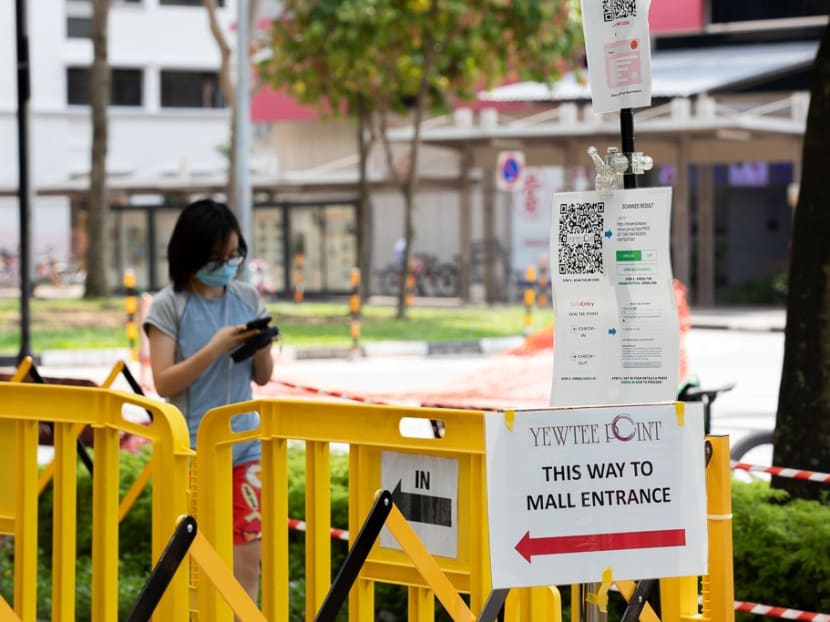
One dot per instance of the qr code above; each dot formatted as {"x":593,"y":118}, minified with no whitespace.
{"x":581,"y":228}
{"x":618,"y":9}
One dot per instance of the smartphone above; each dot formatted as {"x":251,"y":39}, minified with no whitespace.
{"x":260,"y":322}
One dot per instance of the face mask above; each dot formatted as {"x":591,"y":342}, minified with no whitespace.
{"x":218,"y":277}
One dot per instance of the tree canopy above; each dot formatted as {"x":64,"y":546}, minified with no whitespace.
{"x":370,"y":58}
{"x":335,"y":53}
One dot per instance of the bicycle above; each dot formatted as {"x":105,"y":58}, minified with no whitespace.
{"x":432,"y":278}
{"x":738,"y":452}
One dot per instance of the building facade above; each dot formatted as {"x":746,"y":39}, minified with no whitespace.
{"x":167,"y":117}
{"x":729,"y":141}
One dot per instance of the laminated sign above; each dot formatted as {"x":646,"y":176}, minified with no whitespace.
{"x":617,"y":330}
{"x":572,"y":493}
{"x":619,"y":53}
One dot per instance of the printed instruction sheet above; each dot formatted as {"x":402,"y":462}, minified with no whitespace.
{"x":615,"y":315}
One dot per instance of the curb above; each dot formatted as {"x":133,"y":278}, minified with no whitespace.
{"x":490,"y":345}
{"x":742,"y":326}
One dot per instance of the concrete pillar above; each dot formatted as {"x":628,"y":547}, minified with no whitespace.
{"x":680,"y":238}
{"x":705,"y":286}
{"x":489,"y":229}
{"x":465,"y":225}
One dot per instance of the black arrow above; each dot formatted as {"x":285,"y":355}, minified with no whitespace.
{"x":423,"y":508}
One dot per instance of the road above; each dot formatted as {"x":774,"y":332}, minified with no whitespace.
{"x":751,"y":360}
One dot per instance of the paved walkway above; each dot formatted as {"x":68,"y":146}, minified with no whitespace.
{"x":740,"y":318}
{"x":762,"y":319}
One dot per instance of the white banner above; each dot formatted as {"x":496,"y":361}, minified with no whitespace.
{"x":619,"y":53}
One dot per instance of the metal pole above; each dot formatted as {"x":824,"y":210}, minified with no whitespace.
{"x":242,"y":185}
{"x":627,"y":133}
{"x":24,"y":191}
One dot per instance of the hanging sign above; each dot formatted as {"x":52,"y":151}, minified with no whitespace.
{"x":572,"y":492}
{"x":617,"y":329}
{"x":619,"y":53}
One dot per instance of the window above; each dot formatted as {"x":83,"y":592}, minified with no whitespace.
{"x":125,"y":85}
{"x":731,"y":11}
{"x":219,"y":3}
{"x":78,"y":27}
{"x":191,"y":89}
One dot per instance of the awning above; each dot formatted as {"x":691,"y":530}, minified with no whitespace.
{"x":681,"y":73}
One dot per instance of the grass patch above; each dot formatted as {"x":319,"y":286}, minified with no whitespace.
{"x":99,"y":323}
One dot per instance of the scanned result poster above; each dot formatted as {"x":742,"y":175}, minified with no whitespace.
{"x":615,"y":315}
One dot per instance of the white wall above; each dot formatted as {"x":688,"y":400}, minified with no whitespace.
{"x":145,"y":141}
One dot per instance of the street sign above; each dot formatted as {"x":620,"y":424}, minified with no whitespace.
{"x":573,"y":492}
{"x":425,"y":490}
{"x":510,"y":169}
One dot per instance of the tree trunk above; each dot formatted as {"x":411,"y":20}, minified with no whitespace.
{"x":802,"y":431}
{"x":98,"y":252}
{"x":228,"y":92}
{"x":226,"y":84}
{"x":365,"y":216}
{"x":409,"y":186}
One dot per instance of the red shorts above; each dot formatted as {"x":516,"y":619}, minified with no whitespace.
{"x":247,"y":500}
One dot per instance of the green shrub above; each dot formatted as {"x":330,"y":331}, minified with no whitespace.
{"x":780,"y":549}
{"x":134,"y":545}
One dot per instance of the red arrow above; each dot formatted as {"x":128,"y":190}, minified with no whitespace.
{"x":588,"y":543}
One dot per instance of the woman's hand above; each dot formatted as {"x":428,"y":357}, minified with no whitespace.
{"x":229,"y":338}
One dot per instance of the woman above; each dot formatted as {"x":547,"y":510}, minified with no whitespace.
{"x":193,"y":327}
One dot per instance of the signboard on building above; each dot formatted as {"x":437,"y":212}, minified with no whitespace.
{"x":572,"y":492}
{"x":530,"y":217}
{"x":617,"y":330}
{"x":619,"y":53}
{"x":425,"y":489}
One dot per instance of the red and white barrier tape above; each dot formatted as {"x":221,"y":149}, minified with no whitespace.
{"x":366,"y":400}
{"x":812,"y":476}
{"x":780,"y":612}
{"x":323,"y":392}
{"x":337,"y":534}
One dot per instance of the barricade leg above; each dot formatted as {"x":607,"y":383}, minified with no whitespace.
{"x":64,"y":506}
{"x":362,"y":595}
{"x":318,"y":519}
{"x":719,"y":586}
{"x":678,"y":599}
{"x":25,"y":544}
{"x":164,"y":570}
{"x":358,"y":553}
{"x":420,"y":604}
{"x":275,"y":575}
{"x":104,"y":528}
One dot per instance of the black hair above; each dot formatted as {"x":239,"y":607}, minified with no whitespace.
{"x":203,"y":226}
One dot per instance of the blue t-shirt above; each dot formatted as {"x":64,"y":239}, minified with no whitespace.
{"x":191,"y":321}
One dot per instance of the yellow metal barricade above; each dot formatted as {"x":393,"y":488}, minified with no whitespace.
{"x":368,"y":431}
{"x":22,"y":408}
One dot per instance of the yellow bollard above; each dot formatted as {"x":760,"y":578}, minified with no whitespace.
{"x":354,"y":310}
{"x":544,"y":283}
{"x":299,"y":277}
{"x":529,"y":299}
{"x":410,"y":285}
{"x":131,"y":306}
